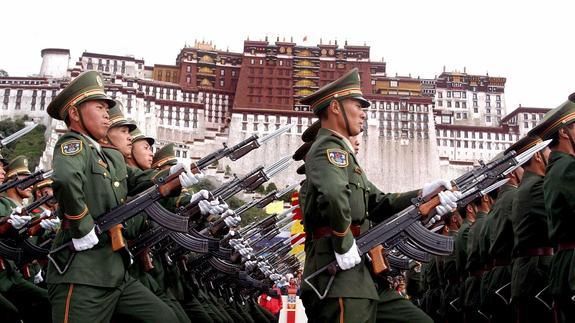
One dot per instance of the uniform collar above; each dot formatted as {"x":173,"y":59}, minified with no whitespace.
{"x":349,"y":146}
{"x":93,"y":143}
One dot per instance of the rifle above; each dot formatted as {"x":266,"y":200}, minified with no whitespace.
{"x":6,"y":226}
{"x":26,"y":181}
{"x":388,"y":229}
{"x":17,"y":135}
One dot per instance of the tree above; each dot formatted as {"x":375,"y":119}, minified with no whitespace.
{"x":271,"y":187}
{"x":260,"y":189}
{"x":286,"y":198}
{"x":32,"y":145}
{"x":3,"y":73}
{"x":228,"y":170}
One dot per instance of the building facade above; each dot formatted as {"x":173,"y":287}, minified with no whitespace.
{"x":426,"y":128}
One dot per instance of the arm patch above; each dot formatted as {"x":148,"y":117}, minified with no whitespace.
{"x":71,"y":147}
{"x":338,"y":157}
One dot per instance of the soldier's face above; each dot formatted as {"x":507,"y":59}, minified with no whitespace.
{"x":355,"y":115}
{"x":142,"y":154}
{"x":95,"y":118}
{"x":121,"y":138}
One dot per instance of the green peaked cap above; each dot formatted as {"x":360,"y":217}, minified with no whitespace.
{"x":555,"y":119}
{"x":18,"y":166}
{"x":138,"y":135}
{"x":164,"y":156}
{"x":348,"y":86}
{"x":85,"y":87}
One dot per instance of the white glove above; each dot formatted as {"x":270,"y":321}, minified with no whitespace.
{"x":187,"y":178}
{"x":231,"y":219}
{"x":245,"y":251}
{"x":201,"y":195}
{"x":38,"y":278}
{"x":212,"y":207}
{"x":349,"y":259}
{"x":428,"y":188}
{"x":289,"y":276}
{"x":275,"y":277}
{"x":46,"y":213}
{"x":18,"y":221}
{"x":86,"y":242}
{"x":435,"y":219}
{"x":236,"y":242}
{"x":448,"y":201}
{"x":50,"y":224}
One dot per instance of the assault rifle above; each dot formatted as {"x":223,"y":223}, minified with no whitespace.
{"x":6,"y":227}
{"x":27,"y":181}
{"x":473,"y":184}
{"x":146,"y":201}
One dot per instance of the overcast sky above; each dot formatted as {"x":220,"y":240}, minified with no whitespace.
{"x":531,"y":43}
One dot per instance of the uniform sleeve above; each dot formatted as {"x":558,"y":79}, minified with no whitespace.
{"x":333,"y":193}
{"x":69,"y":180}
{"x":140,"y":180}
{"x":383,"y":205}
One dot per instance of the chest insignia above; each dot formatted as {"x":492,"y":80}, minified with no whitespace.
{"x":102,"y":163}
{"x":338,"y":157}
{"x":71,"y":148}
{"x":358,"y":170}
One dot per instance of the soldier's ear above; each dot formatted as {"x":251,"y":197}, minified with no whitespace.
{"x":73,"y":114}
{"x":334,"y":107}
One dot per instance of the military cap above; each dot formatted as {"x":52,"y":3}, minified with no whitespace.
{"x":117,"y":118}
{"x":44,"y":183}
{"x":18,"y":166}
{"x":302,"y":151}
{"x":555,"y":119}
{"x":311,"y":132}
{"x":87,"y":86}
{"x":346,"y":87}
{"x":301,"y":170}
{"x":138,"y":135}
{"x":524,"y":144}
{"x":164,"y":156}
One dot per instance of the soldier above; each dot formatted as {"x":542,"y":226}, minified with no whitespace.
{"x":87,"y":183}
{"x":450,"y":275}
{"x":339,"y":204}
{"x":480,"y":207}
{"x":559,"y":195}
{"x":21,"y":298}
{"x":499,"y":231}
{"x":532,"y":251}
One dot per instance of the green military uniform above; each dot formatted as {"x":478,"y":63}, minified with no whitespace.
{"x":501,"y":246}
{"x":452,"y":287}
{"x":460,"y":251}
{"x":88,"y":183}
{"x":340,"y":196}
{"x":559,"y":195}
{"x":530,"y":270}
{"x":413,"y":286}
{"x":21,"y":299}
{"x":475,"y":269}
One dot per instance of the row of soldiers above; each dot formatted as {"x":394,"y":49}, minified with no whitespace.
{"x":105,"y":162}
{"x":513,"y":258}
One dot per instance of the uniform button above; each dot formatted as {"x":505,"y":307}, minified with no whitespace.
{"x":105,"y":174}
{"x":116,"y":184}
{"x":122,"y":200}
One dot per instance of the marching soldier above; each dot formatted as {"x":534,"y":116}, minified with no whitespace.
{"x":559,"y":195}
{"x":88,"y":183}
{"x":500,"y":235}
{"x":339,"y":204}
{"x":480,"y":207}
{"x":21,"y":298}
{"x":532,"y":251}
{"x":461,"y":239}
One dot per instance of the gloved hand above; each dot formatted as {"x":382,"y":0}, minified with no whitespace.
{"x":434,"y":219}
{"x":50,"y":224}
{"x":86,"y":242}
{"x":187,"y":178}
{"x":212,"y":207}
{"x":245,"y":252}
{"x":231,"y":219}
{"x":236,"y":242}
{"x":349,"y":259}
{"x":18,"y":221}
{"x":200,"y":195}
{"x":448,"y":201}
{"x":428,"y":188}
{"x":38,"y":278}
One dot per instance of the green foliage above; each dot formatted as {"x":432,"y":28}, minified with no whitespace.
{"x":252,"y":215}
{"x":271,"y":187}
{"x":260,"y":189}
{"x":32,"y":145}
{"x":228,"y":170}
{"x":3,"y":73}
